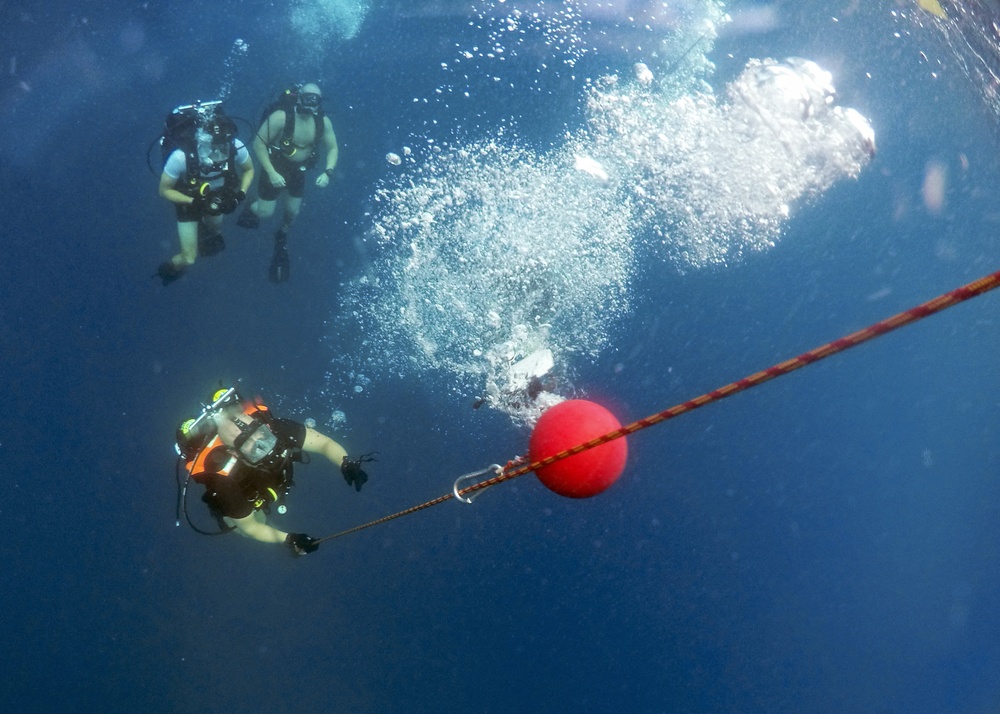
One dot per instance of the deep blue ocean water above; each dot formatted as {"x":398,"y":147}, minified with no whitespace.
{"x":827,"y":542}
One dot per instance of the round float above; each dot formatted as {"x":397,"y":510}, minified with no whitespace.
{"x":569,"y":424}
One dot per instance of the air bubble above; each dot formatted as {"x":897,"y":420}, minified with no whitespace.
{"x":489,"y":253}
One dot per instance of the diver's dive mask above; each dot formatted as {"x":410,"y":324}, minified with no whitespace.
{"x":255,"y":442}
{"x":309,"y":102}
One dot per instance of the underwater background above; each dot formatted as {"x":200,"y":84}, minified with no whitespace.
{"x":826,"y":542}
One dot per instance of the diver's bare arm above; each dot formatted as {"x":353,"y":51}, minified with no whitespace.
{"x":330,"y":139}
{"x":317,"y":443}
{"x":252,"y":528}
{"x":170,"y":193}
{"x":247,"y":177}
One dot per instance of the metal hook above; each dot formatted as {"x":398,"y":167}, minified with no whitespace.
{"x":494,"y":469}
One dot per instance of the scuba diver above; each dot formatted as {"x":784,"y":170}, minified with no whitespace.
{"x":243,"y":456}
{"x":287,"y":146}
{"x":206,"y":174}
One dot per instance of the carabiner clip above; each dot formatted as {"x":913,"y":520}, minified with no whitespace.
{"x":492,"y":470}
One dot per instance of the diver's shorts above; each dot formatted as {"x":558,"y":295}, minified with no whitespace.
{"x":295,"y":180}
{"x":188,"y":212}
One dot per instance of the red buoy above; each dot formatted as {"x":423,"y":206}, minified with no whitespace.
{"x":569,"y":424}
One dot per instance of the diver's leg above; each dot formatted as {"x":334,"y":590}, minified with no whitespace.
{"x":293,"y":205}
{"x":263,"y":209}
{"x":210,"y":241}
{"x":187,"y":232}
{"x":213,"y":224}
{"x":171,"y":270}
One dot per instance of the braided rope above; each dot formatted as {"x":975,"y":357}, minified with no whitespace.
{"x":519,"y":467}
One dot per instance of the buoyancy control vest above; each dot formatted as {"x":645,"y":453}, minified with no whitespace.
{"x":264,"y":482}
{"x":180,"y":132}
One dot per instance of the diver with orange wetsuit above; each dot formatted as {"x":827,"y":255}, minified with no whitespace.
{"x":243,"y":455}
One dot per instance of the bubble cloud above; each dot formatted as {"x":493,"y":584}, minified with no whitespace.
{"x":491,"y":252}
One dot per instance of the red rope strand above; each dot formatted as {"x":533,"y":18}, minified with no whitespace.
{"x":514,"y":469}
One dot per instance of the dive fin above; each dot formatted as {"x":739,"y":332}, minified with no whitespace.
{"x":248,"y":219}
{"x":168,"y":273}
{"x":278,"y":272}
{"x":209,"y":245}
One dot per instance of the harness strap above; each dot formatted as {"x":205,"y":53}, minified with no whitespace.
{"x":196,"y":176}
{"x":288,"y":134}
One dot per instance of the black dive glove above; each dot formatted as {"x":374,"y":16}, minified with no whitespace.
{"x":230,"y":200}
{"x":209,"y":203}
{"x":300,"y":543}
{"x":353,"y":473}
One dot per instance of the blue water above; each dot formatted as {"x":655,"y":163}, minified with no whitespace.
{"x":827,"y":542}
